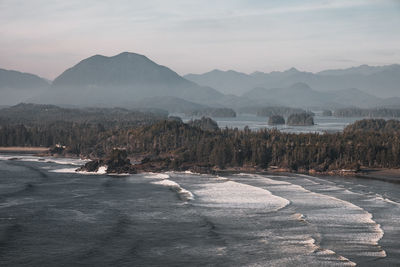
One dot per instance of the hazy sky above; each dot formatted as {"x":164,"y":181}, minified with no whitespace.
{"x":47,"y":36}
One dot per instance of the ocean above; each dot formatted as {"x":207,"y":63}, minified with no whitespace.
{"x":53,"y":216}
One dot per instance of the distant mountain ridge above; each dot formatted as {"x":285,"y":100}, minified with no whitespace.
{"x":302,"y":95}
{"x":362,"y":70}
{"x":381,"y":81}
{"x":134,"y":81}
{"x":20,"y":80}
{"x":17,"y":86}
{"x":120,"y":81}
{"x":227,"y":82}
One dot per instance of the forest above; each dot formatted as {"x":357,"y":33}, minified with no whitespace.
{"x":36,"y":114}
{"x":213,"y":112}
{"x":171,"y":144}
{"x":371,"y":113}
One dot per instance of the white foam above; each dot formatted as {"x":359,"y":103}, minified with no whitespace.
{"x":329,"y":211}
{"x":220,"y":178}
{"x":387,"y":200}
{"x":231,"y":194}
{"x":4,"y":157}
{"x":64,"y":170}
{"x":187,"y":195}
{"x":101,"y":170}
{"x":120,"y":174}
{"x":28,"y":158}
{"x":156,"y":175}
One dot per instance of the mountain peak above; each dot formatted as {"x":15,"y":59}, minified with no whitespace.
{"x":292,"y":70}
{"x":129,"y":55}
{"x":215,"y":71}
{"x":121,"y":56}
{"x":300,"y":86}
{"x":121,"y":79}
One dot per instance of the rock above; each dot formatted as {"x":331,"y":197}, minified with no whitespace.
{"x":327,"y":113}
{"x":117,"y":162}
{"x":300,"y":119}
{"x":276,"y":120}
{"x":92,"y":166}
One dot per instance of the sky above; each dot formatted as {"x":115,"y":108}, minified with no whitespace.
{"x":45,"y":37}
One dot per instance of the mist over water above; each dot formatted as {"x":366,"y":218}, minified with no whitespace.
{"x":50,"y":217}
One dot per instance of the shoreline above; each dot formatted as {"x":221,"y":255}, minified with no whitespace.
{"x":382,"y":174}
{"x":387,"y":175}
{"x":23,"y":149}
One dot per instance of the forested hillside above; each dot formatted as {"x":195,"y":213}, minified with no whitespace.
{"x":179,"y":146}
{"x":33,"y":114}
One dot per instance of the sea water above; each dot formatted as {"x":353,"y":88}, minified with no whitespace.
{"x":50,"y":215}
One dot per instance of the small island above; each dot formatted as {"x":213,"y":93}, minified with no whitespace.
{"x":273,"y":110}
{"x":205,"y":123}
{"x":327,"y":113}
{"x":300,"y":119}
{"x":276,"y":120}
{"x":368,"y":112}
{"x":213,"y":112}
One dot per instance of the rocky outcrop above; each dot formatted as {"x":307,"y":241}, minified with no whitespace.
{"x":276,"y":120}
{"x":117,"y":162}
{"x":213,"y":112}
{"x":327,"y":113}
{"x":300,"y":119}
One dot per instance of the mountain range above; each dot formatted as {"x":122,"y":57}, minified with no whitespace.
{"x":121,"y":80}
{"x":17,"y":86}
{"x":134,"y":81}
{"x":302,"y":95}
{"x":383,"y":81}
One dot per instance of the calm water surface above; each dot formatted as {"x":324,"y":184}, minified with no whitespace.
{"x":321,"y":124}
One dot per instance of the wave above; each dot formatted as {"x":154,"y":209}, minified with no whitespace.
{"x":345,"y":226}
{"x":251,"y":202}
{"x":156,"y":175}
{"x":64,"y":170}
{"x":183,"y":193}
{"x":101,"y":170}
{"x":62,"y":161}
{"x":229,"y":194}
{"x":163,"y":179}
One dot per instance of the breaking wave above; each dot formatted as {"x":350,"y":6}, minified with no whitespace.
{"x":229,"y":194}
{"x":344,"y":224}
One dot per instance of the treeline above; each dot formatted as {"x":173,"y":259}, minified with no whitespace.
{"x":80,"y":138}
{"x":282,"y":111}
{"x":235,"y":148}
{"x":269,"y":111}
{"x":178,"y":146}
{"x":371,"y":113}
{"x":212,"y":112}
{"x":34,"y":114}
{"x":374,"y":125}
